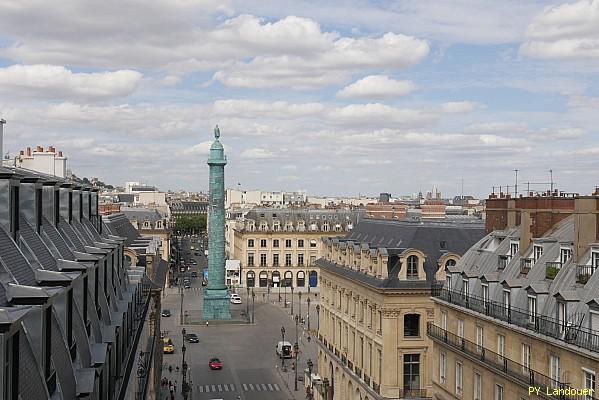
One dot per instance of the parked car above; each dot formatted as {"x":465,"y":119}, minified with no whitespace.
{"x":235,"y":300}
{"x":187,"y":285}
{"x":166,"y":313}
{"x":194,"y":274}
{"x":215,"y":363}
{"x":192,"y":338}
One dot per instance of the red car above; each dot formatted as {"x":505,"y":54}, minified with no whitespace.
{"x":215,"y":363}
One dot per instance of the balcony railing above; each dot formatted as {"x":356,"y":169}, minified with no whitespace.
{"x":552,"y":268}
{"x":407,"y":393}
{"x":516,"y":371}
{"x":568,"y":331}
{"x":584,"y":273}
{"x":525,"y":265}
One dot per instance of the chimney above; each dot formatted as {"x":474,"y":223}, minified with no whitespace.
{"x":22,"y":153}
{"x":28,"y":151}
{"x":60,"y":153}
{"x":2,"y":122}
{"x":51,"y":149}
{"x":39,"y":149}
{"x":585,"y":225}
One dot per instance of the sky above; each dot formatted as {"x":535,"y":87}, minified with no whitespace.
{"x":339,"y":97}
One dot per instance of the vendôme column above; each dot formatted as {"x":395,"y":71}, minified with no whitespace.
{"x":216,"y":297}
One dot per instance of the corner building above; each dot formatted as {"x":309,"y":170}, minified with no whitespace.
{"x":375,"y":303}
{"x":521,"y":308}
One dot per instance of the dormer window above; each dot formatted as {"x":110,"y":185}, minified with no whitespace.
{"x":561,"y":315}
{"x":412,"y":267}
{"x":485,"y":288}
{"x":537,"y":252}
{"x":514,"y":247}
{"x":146,"y":224}
{"x":595,"y":260}
{"x":465,"y":288}
{"x":158,"y":224}
{"x":506,"y":301}
{"x":263,"y":226}
{"x":532,"y":309}
{"x":448,"y":281}
{"x":450,"y":263}
{"x":325,"y":227}
{"x":565,"y":253}
{"x":276,"y":226}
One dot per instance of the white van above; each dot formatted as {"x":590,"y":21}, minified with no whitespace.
{"x":284,"y":350}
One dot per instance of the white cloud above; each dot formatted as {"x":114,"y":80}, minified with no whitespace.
{"x":376,"y":86}
{"x":502,"y":128}
{"x":56,"y":82}
{"x":200,"y":149}
{"x":373,"y":162}
{"x":258,"y":154}
{"x":561,"y":133}
{"x":569,"y":30}
{"x":459,"y":107}
{"x":380,"y":114}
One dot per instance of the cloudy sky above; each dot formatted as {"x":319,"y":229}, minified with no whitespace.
{"x":333,"y":97}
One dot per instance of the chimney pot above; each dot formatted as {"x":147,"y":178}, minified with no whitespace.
{"x":39,"y":149}
{"x":60,"y":153}
{"x":51,"y":149}
{"x":22,"y":153}
{"x":28,"y":151}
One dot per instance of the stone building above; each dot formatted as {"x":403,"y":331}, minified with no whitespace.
{"x":375,"y":302}
{"x":279,"y":247}
{"x":74,"y":314}
{"x":150,"y":222}
{"x":520,"y":309}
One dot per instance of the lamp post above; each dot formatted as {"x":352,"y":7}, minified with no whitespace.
{"x":181,"y":291}
{"x":279,"y":286}
{"x":318,"y":317}
{"x":308,"y":301}
{"x":299,"y":294}
{"x":282,"y":355}
{"x":285,"y":293}
{"x":247,"y":302}
{"x":184,"y":389}
{"x":325,"y":389}
{"x":291,"y":299}
{"x":296,"y":350}
{"x":310,"y":365}
{"x":253,"y":305}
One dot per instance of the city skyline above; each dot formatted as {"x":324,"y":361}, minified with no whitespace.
{"x":336,"y":99}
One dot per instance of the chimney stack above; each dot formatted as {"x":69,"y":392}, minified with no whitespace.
{"x":28,"y":151}
{"x":2,"y":122}
{"x":60,"y":153}
{"x":51,"y":149}
{"x":22,"y":153}
{"x":39,"y":149}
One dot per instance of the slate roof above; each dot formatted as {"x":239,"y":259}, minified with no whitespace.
{"x":307,"y":215}
{"x":188,"y":206}
{"x":142,"y":214}
{"x":40,"y":250}
{"x":119,"y":225}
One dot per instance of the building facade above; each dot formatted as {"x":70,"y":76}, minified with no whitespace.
{"x":74,"y":314}
{"x":279,"y":248}
{"x":375,"y":303}
{"x":520,"y":310}
{"x":150,"y":222}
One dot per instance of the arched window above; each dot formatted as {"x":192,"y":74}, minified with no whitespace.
{"x":276,"y":226}
{"x":158,"y":224}
{"x":263,"y":279}
{"x":411,"y":325}
{"x":250,"y":280}
{"x":450,"y":263}
{"x":301,"y":279}
{"x":146,"y":224}
{"x":127,"y":260}
{"x":412,"y":267}
{"x":313,"y":279}
{"x":288,"y":278}
{"x":325,"y":227}
{"x":276,"y":279}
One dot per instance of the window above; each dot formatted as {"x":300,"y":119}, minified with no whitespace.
{"x":275,"y":260}
{"x":263,"y":243}
{"x":312,"y":243}
{"x":565,"y":254}
{"x":250,"y":259}
{"x":537,"y":252}
{"x":465,"y":288}
{"x":554,"y":368}
{"x":411,"y":374}
{"x":444,"y":320}
{"x":561,"y":315}
{"x":411,"y":325}
{"x":250,"y":242}
{"x":461,"y":328}
{"x":477,"y":386}
{"x":485,"y":288}
{"x":514,"y":247}
{"x":251,"y":279}
{"x":450,"y":263}
{"x":301,"y":279}
{"x":288,"y":279}
{"x":506,"y":301}
{"x":458,"y":379}
{"x":300,"y":259}
{"x":288,"y":260}
{"x":412,"y":267}
{"x":300,"y":242}
{"x":448,"y":281}
{"x":525,"y":358}
{"x":263,"y":281}
{"x":479,"y":339}
{"x":498,"y":392}
{"x":442,"y":368}
{"x":275,"y":243}
{"x":532,"y":309}
{"x":263,"y":260}
{"x":501,"y":347}
{"x":589,"y":382}
{"x":288,"y":243}
{"x":595,"y":259}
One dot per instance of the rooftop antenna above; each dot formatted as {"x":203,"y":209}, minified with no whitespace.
{"x":516,"y":185}
{"x":551,"y":174}
{"x":462,"y":188}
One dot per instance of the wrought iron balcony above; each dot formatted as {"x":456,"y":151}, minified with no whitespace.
{"x":515,"y":371}
{"x":525,"y":265}
{"x":552,"y":268}
{"x":412,"y":393}
{"x":584,"y":273}
{"x":569,"y":331}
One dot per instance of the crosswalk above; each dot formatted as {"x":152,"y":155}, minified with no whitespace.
{"x":246,"y":387}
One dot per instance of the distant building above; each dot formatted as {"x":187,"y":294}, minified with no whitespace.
{"x":233,"y":273}
{"x":384,"y":197}
{"x":49,"y":161}
{"x":151,"y":223}
{"x":395,"y":210}
{"x":187,"y":208}
{"x":375,"y":303}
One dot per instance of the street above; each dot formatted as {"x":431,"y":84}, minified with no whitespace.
{"x":251,"y":369}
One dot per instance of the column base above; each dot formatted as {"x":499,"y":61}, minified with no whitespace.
{"x":216,"y":304}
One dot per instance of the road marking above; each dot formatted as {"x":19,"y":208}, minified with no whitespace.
{"x":276,"y":387}
{"x":220,"y":388}
{"x":201,"y":388}
{"x":226,"y":386}
{"x":270,"y":387}
{"x":245,"y":388}
{"x":213,"y":387}
{"x":207,"y":388}
{"x":251,"y":386}
{"x":263,"y":387}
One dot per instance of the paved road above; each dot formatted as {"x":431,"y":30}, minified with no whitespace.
{"x":251,"y":369}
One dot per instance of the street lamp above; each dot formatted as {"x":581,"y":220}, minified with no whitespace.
{"x":247,"y":303}
{"x":283,"y":343}
{"x":299,"y":294}
{"x":253,"y":305}
{"x":291,"y":299}
{"x":310,"y":365}
{"x":308,"y":301}
{"x":296,"y":350}
{"x":185,"y":388}
{"x":318,"y":317}
{"x":285,"y":292}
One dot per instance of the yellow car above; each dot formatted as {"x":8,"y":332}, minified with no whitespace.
{"x":169,"y":348}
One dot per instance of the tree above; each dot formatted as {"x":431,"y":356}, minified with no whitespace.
{"x":190,"y":223}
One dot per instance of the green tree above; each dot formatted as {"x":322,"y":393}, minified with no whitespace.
{"x":191,"y":224}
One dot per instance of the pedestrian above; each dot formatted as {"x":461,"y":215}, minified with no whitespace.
{"x":170,"y":369}
{"x":175,"y":386}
